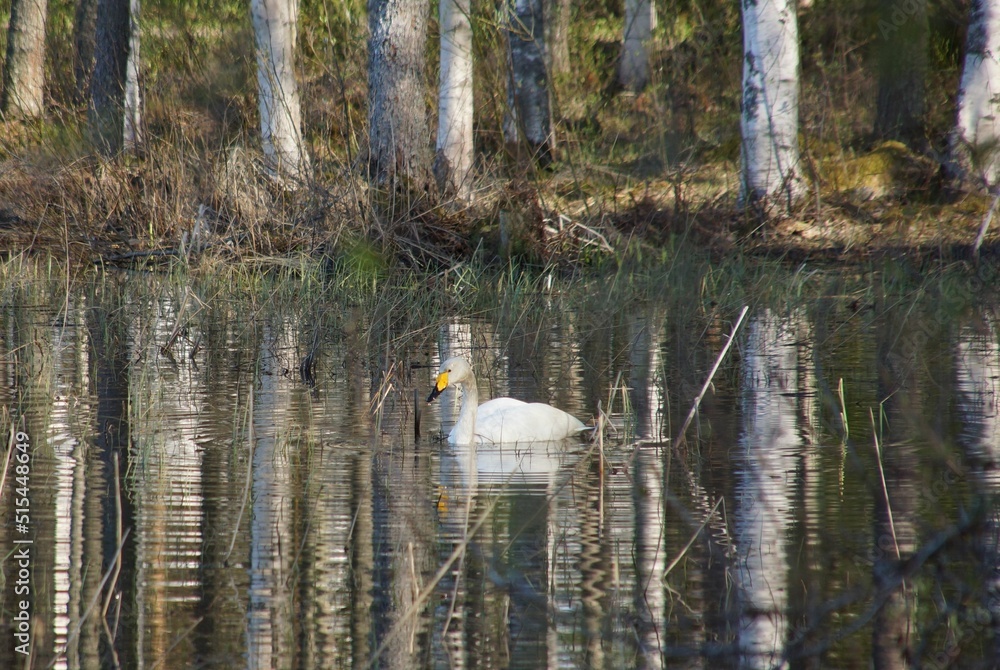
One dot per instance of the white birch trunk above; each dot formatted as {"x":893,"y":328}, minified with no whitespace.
{"x":528,"y":111}
{"x":24,"y":73}
{"x":275,"y":24}
{"x":769,"y":119}
{"x":453,"y":162}
{"x":975,"y":145}
{"x":633,"y":67}
{"x":132,"y":121}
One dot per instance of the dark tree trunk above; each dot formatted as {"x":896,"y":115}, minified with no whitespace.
{"x":114,"y":101}
{"x":84,"y":34}
{"x":399,"y":139}
{"x":528,"y":122}
{"x":903,"y":41}
{"x":24,"y":74}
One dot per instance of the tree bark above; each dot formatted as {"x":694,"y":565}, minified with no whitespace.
{"x":557,"y":15}
{"x":633,"y":66}
{"x":116,"y":103}
{"x":453,"y":162}
{"x":399,"y":150}
{"x":769,"y":114}
{"x":975,"y":141}
{"x":904,"y":33}
{"x":84,"y":32}
{"x":528,"y":121}
{"x":275,"y":27}
{"x":24,"y":74}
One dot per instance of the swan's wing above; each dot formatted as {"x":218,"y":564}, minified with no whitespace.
{"x":509,"y":420}
{"x":491,"y":407}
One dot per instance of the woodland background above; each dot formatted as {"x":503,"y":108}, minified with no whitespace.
{"x":632,"y":166}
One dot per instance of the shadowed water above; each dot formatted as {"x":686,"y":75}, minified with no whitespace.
{"x":194,"y":501}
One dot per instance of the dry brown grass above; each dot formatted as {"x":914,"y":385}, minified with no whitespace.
{"x":651,"y":171}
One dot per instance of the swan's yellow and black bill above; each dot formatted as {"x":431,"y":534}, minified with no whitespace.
{"x":441,"y":385}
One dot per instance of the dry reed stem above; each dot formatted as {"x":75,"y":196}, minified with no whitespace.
{"x":74,"y":632}
{"x":690,"y":542}
{"x":117,"y":568}
{"x":8,"y":456}
{"x":422,"y":597}
{"x":251,"y":439}
{"x":885,"y":489}
{"x":681,"y":438}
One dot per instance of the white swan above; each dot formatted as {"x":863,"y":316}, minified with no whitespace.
{"x":501,"y":420}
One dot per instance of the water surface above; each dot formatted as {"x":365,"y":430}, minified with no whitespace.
{"x":197,"y":500}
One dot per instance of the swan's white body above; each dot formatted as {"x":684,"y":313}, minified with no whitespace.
{"x":501,"y":420}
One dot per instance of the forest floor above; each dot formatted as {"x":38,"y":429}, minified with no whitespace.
{"x":637,"y":176}
{"x":174,"y":201}
{"x":95,"y":213}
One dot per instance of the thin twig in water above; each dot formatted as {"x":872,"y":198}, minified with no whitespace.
{"x":843,"y":409}
{"x":111,"y":634}
{"x":415,"y":583}
{"x":711,"y":375}
{"x":458,"y":553}
{"x":846,"y":436}
{"x":418,"y":602}
{"x":694,"y":536}
{"x":469,"y":503}
{"x":177,"y":640}
{"x":600,"y":456}
{"x":246,"y":486}
{"x":6,"y":461}
{"x":885,"y":489}
{"x":75,"y":631}
{"x":181,"y":321}
{"x":612,"y":392}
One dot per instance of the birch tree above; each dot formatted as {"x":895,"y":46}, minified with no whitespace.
{"x":453,"y":162}
{"x":975,"y":141}
{"x":633,"y":65}
{"x":769,"y":114}
{"x":115,"y":113}
{"x":24,"y":71}
{"x":528,"y":121}
{"x":399,"y":149}
{"x":275,"y":27}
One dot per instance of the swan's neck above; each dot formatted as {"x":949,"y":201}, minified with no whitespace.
{"x":464,"y":431}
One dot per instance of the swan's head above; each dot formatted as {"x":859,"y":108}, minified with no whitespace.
{"x":453,"y":372}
